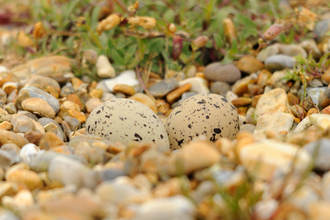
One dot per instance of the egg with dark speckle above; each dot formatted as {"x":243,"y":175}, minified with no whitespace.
{"x":208,"y":115}
{"x":127,"y":121}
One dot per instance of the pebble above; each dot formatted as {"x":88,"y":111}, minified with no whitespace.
{"x":220,"y":88}
{"x":146,"y":100}
{"x":120,"y":193}
{"x":326,"y":77}
{"x":92,"y":103}
{"x":54,"y":67}
{"x":68,"y":171}
{"x":33,"y":105}
{"x":225,"y":73}
{"x":241,"y":86}
{"x":58,"y":130}
{"x":176,"y":94}
{"x":28,"y":152}
{"x":72,"y":122}
{"x":104,"y":67}
{"x":22,"y":124}
{"x":275,"y":100}
{"x":249,"y":64}
{"x":175,"y":207}
{"x":279,"y":62}
{"x":271,"y":156}
{"x":35,"y":92}
{"x":198,"y":85}
{"x":123,"y":88}
{"x":127,"y":77}
{"x":43,"y":83}
{"x":27,"y":177}
{"x":206,"y":153}
{"x":321,"y":28}
{"x":50,"y":140}
{"x":8,"y":158}
{"x":275,"y":121}
{"x":10,"y":137}
{"x":163,"y":87}
{"x":321,"y":150}
{"x":67,"y":90}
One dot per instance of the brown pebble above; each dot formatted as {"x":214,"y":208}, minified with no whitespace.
{"x":292,"y":99}
{"x":312,"y":111}
{"x":162,"y":106}
{"x":123,"y":88}
{"x":58,"y":120}
{"x":263,"y":77}
{"x":255,"y":100}
{"x":326,"y":77}
{"x":297,"y":120}
{"x":51,"y":90}
{"x":78,"y":115}
{"x":75,"y":99}
{"x":249,"y":64}
{"x":326,"y":110}
{"x":6,"y":125}
{"x":76,"y":82}
{"x":10,"y":137}
{"x":146,"y":100}
{"x":50,"y":140}
{"x":241,"y":102}
{"x":33,"y":137}
{"x":33,"y":105}
{"x":176,"y":94}
{"x":96,"y":93}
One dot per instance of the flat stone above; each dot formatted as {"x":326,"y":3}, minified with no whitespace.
{"x":275,"y":121}
{"x":72,"y":122}
{"x":241,"y":102}
{"x":279,"y":62}
{"x":268,"y":52}
{"x":163,"y":87}
{"x":68,"y":171}
{"x":35,"y":92}
{"x":33,"y":105}
{"x":225,"y":73}
{"x":241,"y":86}
{"x":275,"y":100}
{"x":264,"y":158}
{"x":220,"y":88}
{"x":175,"y":207}
{"x":43,"y":83}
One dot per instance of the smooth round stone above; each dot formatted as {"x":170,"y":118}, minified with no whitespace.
{"x":249,"y":64}
{"x":38,"y":106}
{"x":163,"y":87}
{"x":92,"y":103}
{"x":125,"y":89}
{"x":43,"y":83}
{"x":28,"y":114}
{"x":22,"y":124}
{"x":92,"y":154}
{"x":59,"y":132}
{"x":225,"y":73}
{"x":322,"y":148}
{"x":175,"y":207}
{"x":292,"y":50}
{"x":220,"y":88}
{"x":321,"y":28}
{"x":10,"y":137}
{"x":28,"y":152}
{"x":279,"y":62}
{"x":67,"y":90}
{"x":72,"y":122}
{"x":268,"y":52}
{"x":146,"y":100}
{"x":35,"y":92}
{"x":26,"y":177}
{"x":68,"y":171}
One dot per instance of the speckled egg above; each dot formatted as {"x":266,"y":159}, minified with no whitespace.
{"x":125,"y":121}
{"x":208,"y":115}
